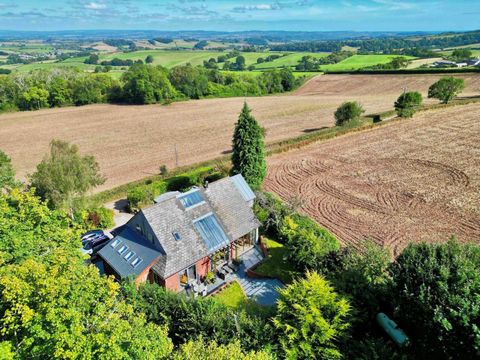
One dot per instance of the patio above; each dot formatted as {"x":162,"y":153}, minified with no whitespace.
{"x":262,"y":291}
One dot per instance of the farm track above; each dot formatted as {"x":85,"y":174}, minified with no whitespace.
{"x":412,"y":180}
{"x":131,"y":142}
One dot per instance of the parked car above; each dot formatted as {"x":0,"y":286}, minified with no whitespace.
{"x":92,"y":246}
{"x":91,"y":234}
{"x":93,"y":240}
{"x":95,"y":234}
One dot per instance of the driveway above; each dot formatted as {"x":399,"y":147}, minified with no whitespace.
{"x":120,"y":214}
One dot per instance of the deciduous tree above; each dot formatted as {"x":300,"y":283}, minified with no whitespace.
{"x":64,"y":174}
{"x":348,"y":111}
{"x":446,"y":89}
{"x":408,"y":103}
{"x":52,"y":305}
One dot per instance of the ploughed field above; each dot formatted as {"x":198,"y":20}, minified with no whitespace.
{"x":131,"y":142}
{"x":410,"y":180}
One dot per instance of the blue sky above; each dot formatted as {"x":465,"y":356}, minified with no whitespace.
{"x":227,"y":15}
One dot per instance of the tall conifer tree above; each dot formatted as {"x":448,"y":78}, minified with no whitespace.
{"x":248,"y":156}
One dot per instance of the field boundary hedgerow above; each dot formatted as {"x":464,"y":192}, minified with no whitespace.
{"x":297,"y":142}
{"x":403,"y":71}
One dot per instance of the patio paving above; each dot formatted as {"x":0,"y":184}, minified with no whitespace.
{"x":263,"y":291}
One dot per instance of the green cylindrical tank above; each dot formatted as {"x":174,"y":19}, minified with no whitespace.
{"x":392,"y":329}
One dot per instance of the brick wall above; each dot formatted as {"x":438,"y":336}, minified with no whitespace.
{"x":203,"y":267}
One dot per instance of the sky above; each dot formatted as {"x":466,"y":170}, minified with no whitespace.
{"x":228,"y":15}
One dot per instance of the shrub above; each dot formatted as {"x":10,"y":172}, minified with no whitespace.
{"x":199,"y":350}
{"x":7,"y":173}
{"x":190,"y":319}
{"x":408,"y":103}
{"x":365,"y":277}
{"x":311,"y":319}
{"x":179,"y":183}
{"x":446,"y":88}
{"x":136,"y":197}
{"x":308,"y":243}
{"x":436,"y":292}
{"x":271,"y":211}
{"x":163,"y":170}
{"x":348,"y":111}
{"x":96,"y":218}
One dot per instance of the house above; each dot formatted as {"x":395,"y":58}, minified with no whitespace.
{"x":474,"y":62}
{"x":183,"y":236}
{"x":444,"y":63}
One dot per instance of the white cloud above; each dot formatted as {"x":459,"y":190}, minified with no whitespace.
{"x":258,"y":7}
{"x":95,"y":6}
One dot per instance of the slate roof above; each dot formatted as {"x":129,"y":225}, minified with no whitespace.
{"x":136,"y":243}
{"x":177,"y":242}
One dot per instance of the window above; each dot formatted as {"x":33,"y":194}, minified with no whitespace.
{"x":211,"y":232}
{"x":129,"y":255}
{"x":135,"y":262}
{"x":176,"y":235}
{"x":115,"y":243}
{"x":191,"y":199}
{"x":123,"y":249}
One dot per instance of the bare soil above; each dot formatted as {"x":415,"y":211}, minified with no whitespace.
{"x":411,"y":180}
{"x":131,"y":142}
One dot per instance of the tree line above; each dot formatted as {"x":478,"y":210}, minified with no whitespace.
{"x":399,"y":45}
{"x":445,"y":90}
{"x":140,"y":84}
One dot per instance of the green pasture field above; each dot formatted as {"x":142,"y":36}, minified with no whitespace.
{"x":356,"y":62}
{"x":171,"y":58}
{"x":289,"y":60}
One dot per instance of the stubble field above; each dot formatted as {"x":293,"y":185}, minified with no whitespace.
{"x":131,"y":142}
{"x":412,"y":180}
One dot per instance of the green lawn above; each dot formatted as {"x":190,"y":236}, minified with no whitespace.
{"x":234,"y":297}
{"x":276,"y":265}
{"x":356,"y":62}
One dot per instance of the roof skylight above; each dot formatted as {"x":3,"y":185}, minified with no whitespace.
{"x":115,"y":243}
{"x":211,"y":232}
{"x":123,"y":249}
{"x":129,"y":255}
{"x":136,"y":262}
{"x":191,"y":198}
